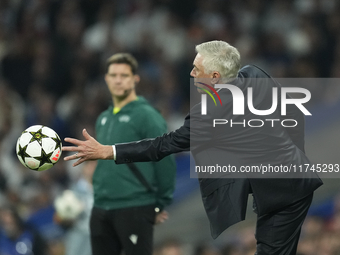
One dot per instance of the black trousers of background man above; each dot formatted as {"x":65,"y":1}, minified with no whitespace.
{"x":128,"y":229}
{"x":278,"y":232}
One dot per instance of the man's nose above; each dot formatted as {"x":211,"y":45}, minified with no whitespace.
{"x":118,"y":80}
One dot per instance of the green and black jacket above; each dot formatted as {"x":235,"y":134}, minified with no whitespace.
{"x":115,"y":186}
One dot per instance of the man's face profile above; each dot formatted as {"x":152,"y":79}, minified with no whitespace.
{"x":120,"y":80}
{"x":200,"y":75}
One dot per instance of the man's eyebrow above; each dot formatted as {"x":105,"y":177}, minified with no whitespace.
{"x":195,"y":66}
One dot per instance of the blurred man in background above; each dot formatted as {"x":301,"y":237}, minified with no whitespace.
{"x":128,"y":199}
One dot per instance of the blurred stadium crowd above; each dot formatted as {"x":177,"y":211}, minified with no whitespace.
{"x":51,"y":73}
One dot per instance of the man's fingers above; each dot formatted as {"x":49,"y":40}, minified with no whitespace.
{"x":86,"y":135}
{"x":161,"y":217}
{"x":70,"y":148}
{"x":164,"y":217}
{"x":81,"y":160}
{"x":72,"y":157}
{"x":85,"y":150}
{"x":67,"y":158}
{"x":73,"y":141}
{"x":76,"y":141}
{"x":76,"y":156}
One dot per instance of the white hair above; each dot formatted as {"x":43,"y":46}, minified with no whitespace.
{"x":219,"y":56}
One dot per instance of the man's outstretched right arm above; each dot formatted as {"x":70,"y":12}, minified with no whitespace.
{"x":153,"y":149}
{"x":140,"y":151}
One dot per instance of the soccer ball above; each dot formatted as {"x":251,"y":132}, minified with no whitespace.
{"x":68,"y":206}
{"x":38,"y":148}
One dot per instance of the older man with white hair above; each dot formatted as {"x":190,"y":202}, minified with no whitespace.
{"x":281,"y":203}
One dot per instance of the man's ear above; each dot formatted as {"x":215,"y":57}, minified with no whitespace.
{"x":216,"y":77}
{"x":137,"y":78}
{"x":105,"y":78}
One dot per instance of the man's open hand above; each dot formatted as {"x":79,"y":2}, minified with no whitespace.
{"x":161,"y":217}
{"x":89,"y":149}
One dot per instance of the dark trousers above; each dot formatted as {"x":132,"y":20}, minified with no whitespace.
{"x":278,"y":232}
{"x":129,"y":230}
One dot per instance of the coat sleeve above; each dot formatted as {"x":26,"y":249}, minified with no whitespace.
{"x":157,"y":148}
{"x":297,"y":133}
{"x":195,"y":132}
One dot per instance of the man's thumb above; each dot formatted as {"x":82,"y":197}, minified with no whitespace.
{"x":86,"y":135}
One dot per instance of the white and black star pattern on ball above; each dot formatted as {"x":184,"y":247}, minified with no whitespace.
{"x":39,"y":148}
